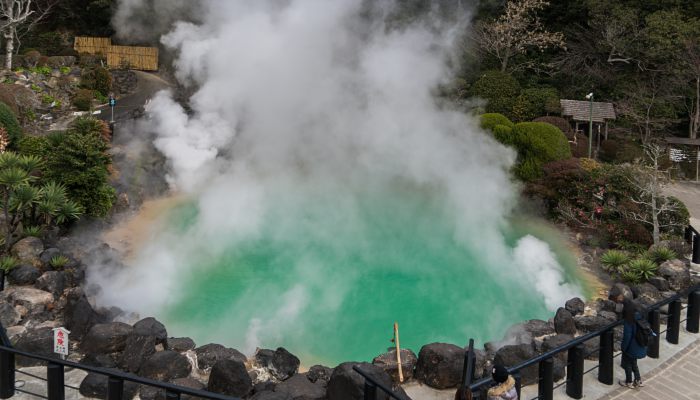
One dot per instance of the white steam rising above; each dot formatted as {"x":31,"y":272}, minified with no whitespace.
{"x":300,"y":100}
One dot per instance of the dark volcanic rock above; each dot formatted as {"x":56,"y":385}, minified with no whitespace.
{"x":165,"y":366}
{"x":298,"y":387}
{"x":48,"y":254}
{"x":23,"y":275}
{"x":660,"y":283}
{"x":388,"y":363}
{"x":564,"y":322}
{"x":346,"y":384}
{"x":138,"y":348}
{"x":440,"y":365}
{"x":151,"y":327}
{"x":51,"y":281}
{"x":180,"y":345}
{"x":106,"y":338}
{"x":78,"y":314}
{"x":99,"y":360}
{"x":229,"y":377}
{"x":575,"y":306}
{"x":270,"y":395}
{"x":515,"y":354}
{"x":524,"y":332}
{"x":8,"y":315}
{"x":209,"y":354}
{"x":281,"y":363}
{"x":319,"y":373}
{"x":647,"y":294}
{"x":40,"y":342}
{"x":590,"y":323}
{"x":676,"y":273}
{"x":95,"y":385}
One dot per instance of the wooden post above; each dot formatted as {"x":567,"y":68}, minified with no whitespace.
{"x":606,"y":130}
{"x":398,"y":351}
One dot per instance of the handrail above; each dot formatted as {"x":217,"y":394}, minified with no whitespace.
{"x":378,"y":384}
{"x":581,"y":339}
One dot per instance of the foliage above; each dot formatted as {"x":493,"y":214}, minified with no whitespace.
{"x":660,"y":254}
{"x":59,"y":261}
{"x":96,"y":78}
{"x":31,"y":58}
{"x":65,"y":70}
{"x":8,"y":262}
{"x":499,"y":89}
{"x":631,"y":276}
{"x":34,"y":146}
{"x":489,"y":121}
{"x":536,"y":102}
{"x":538,"y":143}
{"x":614,"y":260}
{"x":31,"y":231}
{"x":8,"y":120}
{"x":35,"y":87}
{"x":83,"y":100}
{"x":42,"y":70}
{"x":643,"y":267}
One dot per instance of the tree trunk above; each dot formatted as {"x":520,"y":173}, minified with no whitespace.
{"x":9,"y":48}
{"x":504,"y":61}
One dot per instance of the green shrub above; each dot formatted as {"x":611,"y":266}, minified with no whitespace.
{"x":83,"y":100}
{"x":33,"y":146}
{"x":661,"y":254}
{"x":42,"y":70}
{"x":643,"y":267}
{"x":47,"y":99}
{"x":8,"y":120}
{"x":8,"y":262}
{"x":504,"y":134}
{"x":35,"y":87}
{"x":535,"y":102}
{"x":538,"y":143}
{"x":675,"y":220}
{"x":65,"y":70}
{"x":499,"y":89}
{"x":631,"y":277}
{"x":31,"y":58}
{"x":489,"y":120}
{"x":614,"y":260}
{"x":34,"y":231}
{"x":96,"y":78}
{"x":58,"y":262}
{"x":559,"y":122}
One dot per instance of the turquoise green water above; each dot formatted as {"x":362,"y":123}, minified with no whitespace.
{"x":327,"y":279}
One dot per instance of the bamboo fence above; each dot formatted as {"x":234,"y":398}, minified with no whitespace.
{"x":134,"y":57}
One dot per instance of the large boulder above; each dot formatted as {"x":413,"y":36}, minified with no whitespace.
{"x":138,"y":348}
{"x":151,"y":327}
{"x":564,"y":322}
{"x":36,"y":341}
{"x":95,"y":386}
{"x":440,"y":365}
{"x":180,"y":345}
{"x":51,"y":281}
{"x":676,"y":273}
{"x":388,"y":363}
{"x":525,"y":332}
{"x":106,"y":338}
{"x":280,"y":363}
{"x":229,"y":377}
{"x":515,"y":354}
{"x":24,"y":274}
{"x":660,"y":283}
{"x":209,"y":354}
{"x":575,"y":306}
{"x":165,"y":366}
{"x":78,"y":314}
{"x":319,"y":374}
{"x":346,"y":384}
{"x":298,"y":387}
{"x":646,"y":294}
{"x":28,"y":297}
{"x":8,"y":315}
{"x":28,"y":251}
{"x":590,"y":323}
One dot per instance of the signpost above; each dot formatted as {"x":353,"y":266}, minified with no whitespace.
{"x":112,"y":104}
{"x":60,"y":341}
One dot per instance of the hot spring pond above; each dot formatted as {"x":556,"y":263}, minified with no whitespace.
{"x":327,"y":280}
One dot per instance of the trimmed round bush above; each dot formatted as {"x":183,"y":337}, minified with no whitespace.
{"x":490,"y":120}
{"x":559,"y":122}
{"x":83,"y":99}
{"x":500,"y":89}
{"x":8,"y":120}
{"x":535,"y":102}
{"x":538,"y":143}
{"x":96,"y":78}
{"x":504,"y":134}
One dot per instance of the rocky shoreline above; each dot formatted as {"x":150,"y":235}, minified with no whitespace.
{"x":41,"y":296}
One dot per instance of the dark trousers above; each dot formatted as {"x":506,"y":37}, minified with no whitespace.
{"x":630,"y":365}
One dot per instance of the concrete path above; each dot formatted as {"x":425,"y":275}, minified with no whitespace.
{"x":678,"y":378}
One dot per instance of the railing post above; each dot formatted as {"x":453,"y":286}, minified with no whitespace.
{"x":7,"y":374}
{"x":696,"y":249}
{"x":574,"y":372}
{"x":688,"y":235}
{"x":654,"y":319}
{"x":693,"y":322}
{"x":172,"y":395}
{"x":54,"y":377}
{"x":518,"y":381}
{"x":605,"y":358}
{"x":545,"y":387}
{"x":2,"y":280}
{"x":115,"y":388}
{"x":370,"y":390}
{"x":674,"y":320}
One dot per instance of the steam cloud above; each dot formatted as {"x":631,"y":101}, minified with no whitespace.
{"x":302,"y":100}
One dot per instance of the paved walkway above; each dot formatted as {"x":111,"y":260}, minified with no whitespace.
{"x":677,"y":378}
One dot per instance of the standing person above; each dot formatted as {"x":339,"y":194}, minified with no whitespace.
{"x":505,"y":385}
{"x":631,"y":349}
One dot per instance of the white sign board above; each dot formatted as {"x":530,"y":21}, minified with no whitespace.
{"x":60,"y":341}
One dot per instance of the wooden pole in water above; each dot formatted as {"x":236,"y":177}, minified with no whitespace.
{"x":398,"y":351}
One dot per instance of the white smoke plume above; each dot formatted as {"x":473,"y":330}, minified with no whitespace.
{"x":301,"y":100}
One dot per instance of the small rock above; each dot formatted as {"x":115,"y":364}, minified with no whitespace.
{"x":180,"y":345}
{"x":209,"y":354}
{"x":39,"y":342}
{"x":151,"y":327}
{"x":95,"y":385}
{"x":346,"y":384}
{"x":388,"y":363}
{"x":298,"y":387}
{"x":28,"y":250}
{"x":138,"y":348}
{"x":564,"y":322}
{"x":165,"y":366}
{"x":590,"y":323}
{"x":677,"y":274}
{"x":575,"y":306}
{"x":8,"y":315}
{"x":99,"y":360}
{"x":28,"y":296}
{"x":48,"y":254}
{"x":23,"y":275}
{"x":515,"y":354}
{"x":79,"y":315}
{"x":106,"y":338}
{"x":14,"y":332}
{"x":281,"y":363}
{"x":51,"y":281}
{"x":229,"y":377}
{"x":319,"y":373}
{"x":440,"y":365}
{"x":660,"y":283}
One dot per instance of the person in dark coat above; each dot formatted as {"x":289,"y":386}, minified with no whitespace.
{"x":631,"y":350}
{"x":505,"y":385}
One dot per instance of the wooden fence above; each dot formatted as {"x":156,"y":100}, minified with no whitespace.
{"x":141,"y":58}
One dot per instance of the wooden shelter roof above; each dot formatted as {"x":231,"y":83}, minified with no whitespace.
{"x":579,"y":110}
{"x":683,"y":141}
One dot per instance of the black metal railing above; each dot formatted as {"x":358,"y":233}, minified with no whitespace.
{"x":692,"y":237}
{"x":373,"y":387}
{"x":55,"y":383}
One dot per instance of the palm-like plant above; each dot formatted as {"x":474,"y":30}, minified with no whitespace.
{"x":22,"y":197}
{"x":51,"y":198}
{"x":59,"y":261}
{"x":32,"y":231}
{"x":631,"y":276}
{"x":614,"y":260}
{"x":643,"y":267}
{"x":7,"y":263}
{"x":68,"y":211}
{"x":661,"y":254}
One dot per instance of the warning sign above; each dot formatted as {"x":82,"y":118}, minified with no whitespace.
{"x":60,"y":341}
